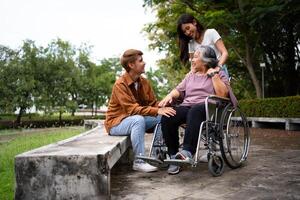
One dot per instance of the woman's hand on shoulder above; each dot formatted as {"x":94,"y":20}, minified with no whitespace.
{"x":211,"y":72}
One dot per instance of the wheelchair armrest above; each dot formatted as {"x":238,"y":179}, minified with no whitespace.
{"x":218,"y":98}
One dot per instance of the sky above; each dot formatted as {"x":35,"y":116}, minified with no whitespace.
{"x":110,"y":26}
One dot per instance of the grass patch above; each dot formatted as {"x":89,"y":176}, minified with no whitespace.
{"x":25,"y":141}
{"x":37,"y":117}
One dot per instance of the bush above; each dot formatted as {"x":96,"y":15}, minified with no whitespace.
{"x":37,"y":121}
{"x":272,"y":107}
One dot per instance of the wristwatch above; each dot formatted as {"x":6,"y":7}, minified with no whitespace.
{"x":212,"y":74}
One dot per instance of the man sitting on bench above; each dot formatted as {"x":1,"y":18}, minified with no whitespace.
{"x":133,"y":108}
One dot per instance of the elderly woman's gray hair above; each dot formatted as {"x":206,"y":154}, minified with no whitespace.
{"x":208,"y":56}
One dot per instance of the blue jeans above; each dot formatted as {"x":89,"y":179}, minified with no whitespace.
{"x":135,"y":126}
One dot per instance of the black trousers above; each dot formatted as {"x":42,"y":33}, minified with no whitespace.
{"x":193,"y":117}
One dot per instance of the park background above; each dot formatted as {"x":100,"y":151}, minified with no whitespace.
{"x":57,"y":57}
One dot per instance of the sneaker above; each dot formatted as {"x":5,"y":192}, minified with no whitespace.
{"x":173,"y":169}
{"x":185,"y":156}
{"x":143,"y":167}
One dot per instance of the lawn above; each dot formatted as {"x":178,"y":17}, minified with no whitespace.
{"x":14,"y":142}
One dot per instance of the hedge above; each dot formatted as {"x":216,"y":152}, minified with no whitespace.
{"x":272,"y":107}
{"x":42,"y":122}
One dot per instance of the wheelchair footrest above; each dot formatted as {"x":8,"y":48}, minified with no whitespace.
{"x":151,"y":160}
{"x":179,"y":162}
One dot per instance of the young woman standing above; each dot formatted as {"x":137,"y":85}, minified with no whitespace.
{"x":192,"y":34}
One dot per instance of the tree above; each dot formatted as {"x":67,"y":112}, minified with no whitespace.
{"x":55,"y":79}
{"x":242,"y":25}
{"x":279,"y":44}
{"x":57,"y":76}
{"x":17,"y":78}
{"x":98,"y":80}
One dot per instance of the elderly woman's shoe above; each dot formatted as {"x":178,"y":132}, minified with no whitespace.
{"x":173,"y":169}
{"x":184,"y":155}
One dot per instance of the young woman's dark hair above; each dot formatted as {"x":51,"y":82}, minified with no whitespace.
{"x":183,"y":40}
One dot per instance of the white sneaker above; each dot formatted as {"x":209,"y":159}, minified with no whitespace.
{"x":143,"y":167}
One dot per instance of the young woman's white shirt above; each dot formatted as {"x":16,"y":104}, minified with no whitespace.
{"x":211,"y":36}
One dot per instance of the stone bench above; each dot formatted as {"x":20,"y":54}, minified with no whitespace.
{"x":290,"y":124}
{"x":76,"y":168}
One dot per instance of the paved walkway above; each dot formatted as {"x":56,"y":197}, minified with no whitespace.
{"x":272,"y":172}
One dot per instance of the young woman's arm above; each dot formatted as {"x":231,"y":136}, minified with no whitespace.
{"x":174,"y":94}
{"x":222,"y":49}
{"x":218,"y":84}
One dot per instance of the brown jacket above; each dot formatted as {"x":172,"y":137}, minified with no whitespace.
{"x":126,"y":101}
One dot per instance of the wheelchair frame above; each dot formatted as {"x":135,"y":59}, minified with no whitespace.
{"x":214,"y":131}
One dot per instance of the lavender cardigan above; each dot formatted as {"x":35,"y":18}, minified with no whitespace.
{"x":197,"y":87}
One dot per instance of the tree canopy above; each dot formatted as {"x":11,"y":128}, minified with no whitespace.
{"x":56,"y":78}
{"x":254,"y":32}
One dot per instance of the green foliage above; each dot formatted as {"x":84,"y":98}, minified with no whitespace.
{"x":56,"y":78}
{"x":25,"y":142}
{"x":272,"y":107}
{"x":253,"y":31}
{"x":41,"y":121}
{"x":17,"y":77}
{"x":98,"y":80}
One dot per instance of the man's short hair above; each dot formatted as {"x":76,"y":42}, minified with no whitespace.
{"x":129,"y":56}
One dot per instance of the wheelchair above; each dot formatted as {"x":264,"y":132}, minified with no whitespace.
{"x":225,"y":136}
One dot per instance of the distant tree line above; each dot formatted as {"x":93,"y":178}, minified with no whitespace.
{"x":55,"y":79}
{"x":254,"y":32}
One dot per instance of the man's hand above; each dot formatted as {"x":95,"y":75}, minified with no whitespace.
{"x":166,"y":111}
{"x":166,"y":101}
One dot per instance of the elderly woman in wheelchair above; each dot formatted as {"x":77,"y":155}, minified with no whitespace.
{"x":209,"y":116}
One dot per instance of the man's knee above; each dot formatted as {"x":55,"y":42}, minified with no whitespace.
{"x":138,"y":120}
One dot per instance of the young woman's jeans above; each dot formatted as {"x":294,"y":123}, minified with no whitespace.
{"x":193,"y":116}
{"x":135,"y":126}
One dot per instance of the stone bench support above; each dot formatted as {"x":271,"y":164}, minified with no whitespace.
{"x":76,"y":168}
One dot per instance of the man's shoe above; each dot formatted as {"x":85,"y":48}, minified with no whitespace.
{"x":143,"y":167}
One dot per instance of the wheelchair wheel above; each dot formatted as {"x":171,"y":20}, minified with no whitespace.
{"x":216,"y":165}
{"x":235,"y":136}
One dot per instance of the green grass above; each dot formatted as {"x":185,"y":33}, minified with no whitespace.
{"x":25,"y":141}
{"x":37,"y":117}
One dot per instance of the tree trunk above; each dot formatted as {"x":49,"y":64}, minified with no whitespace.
{"x":96,"y":107}
{"x":60,"y":113}
{"x":292,"y":76}
{"x":250,"y":68}
{"x":18,"y":122}
{"x":73,"y":112}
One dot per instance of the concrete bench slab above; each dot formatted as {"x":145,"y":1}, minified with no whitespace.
{"x":76,"y":168}
{"x":290,"y":124}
